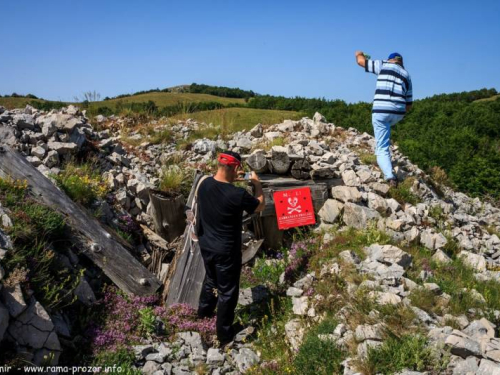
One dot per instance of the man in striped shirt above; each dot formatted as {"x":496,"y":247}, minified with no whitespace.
{"x":393,"y":99}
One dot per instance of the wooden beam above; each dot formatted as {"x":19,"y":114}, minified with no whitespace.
{"x":97,"y":244}
{"x":188,"y":271}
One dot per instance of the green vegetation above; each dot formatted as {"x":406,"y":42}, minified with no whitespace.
{"x":221,"y":91}
{"x":236,"y":119}
{"x":120,"y":357}
{"x":82,"y":183}
{"x":268,"y":271}
{"x":457,"y":280}
{"x":403,"y":193}
{"x":398,"y":353}
{"x":171,"y":179}
{"x":35,"y":231}
{"x":317,"y":355}
{"x":147,"y":320}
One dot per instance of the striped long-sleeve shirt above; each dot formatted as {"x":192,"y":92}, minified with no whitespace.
{"x":394,"y":87}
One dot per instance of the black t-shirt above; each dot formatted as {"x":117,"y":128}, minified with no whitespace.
{"x":221,"y":207}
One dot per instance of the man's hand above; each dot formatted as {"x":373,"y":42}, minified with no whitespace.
{"x":259,"y":193}
{"x":360,"y":58}
{"x":254,"y":178}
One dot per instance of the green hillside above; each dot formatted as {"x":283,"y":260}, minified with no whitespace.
{"x":11,"y":102}
{"x":240,"y":118}
{"x":163,"y":99}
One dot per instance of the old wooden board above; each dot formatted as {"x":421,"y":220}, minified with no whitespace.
{"x":184,"y":285}
{"x":97,"y":244}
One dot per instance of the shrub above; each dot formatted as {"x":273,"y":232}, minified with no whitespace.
{"x":82,"y":183}
{"x":319,"y":356}
{"x":121,"y":357}
{"x":124,"y":320}
{"x":33,"y":260}
{"x":408,"y":352}
{"x":147,"y":320}
{"x":403,"y":193}
{"x":268,"y":271}
{"x":171,"y":179}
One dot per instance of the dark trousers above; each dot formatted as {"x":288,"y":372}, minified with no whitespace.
{"x":221,"y":289}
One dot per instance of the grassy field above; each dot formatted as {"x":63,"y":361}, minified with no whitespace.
{"x":163,"y":99}
{"x":11,"y":102}
{"x":495,"y":97}
{"x":235,"y":119}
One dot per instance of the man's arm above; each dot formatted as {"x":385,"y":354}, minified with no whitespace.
{"x":259,"y":193}
{"x":360,"y":58}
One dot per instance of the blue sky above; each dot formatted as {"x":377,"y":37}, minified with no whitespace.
{"x":57,"y":49}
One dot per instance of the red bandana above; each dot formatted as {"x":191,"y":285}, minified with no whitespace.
{"x":229,"y":160}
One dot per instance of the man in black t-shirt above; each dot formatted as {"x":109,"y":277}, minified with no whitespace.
{"x":221,"y":206}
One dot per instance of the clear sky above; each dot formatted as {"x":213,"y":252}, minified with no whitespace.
{"x":57,"y":49}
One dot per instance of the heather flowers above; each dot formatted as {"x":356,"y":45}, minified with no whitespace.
{"x":300,"y":252}
{"x":130,"y":320}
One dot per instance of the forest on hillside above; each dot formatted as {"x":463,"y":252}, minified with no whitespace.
{"x":457,"y":132}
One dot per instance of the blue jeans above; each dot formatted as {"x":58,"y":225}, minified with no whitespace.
{"x":382,"y":123}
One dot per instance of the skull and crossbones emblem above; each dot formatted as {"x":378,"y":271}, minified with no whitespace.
{"x":293,"y":207}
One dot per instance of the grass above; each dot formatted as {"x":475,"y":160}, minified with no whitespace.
{"x":452,"y":278}
{"x":13,"y":102}
{"x":121,"y":357}
{"x":149,"y":134}
{"x":403,"y":193}
{"x":268,"y":272}
{"x":171,"y":179}
{"x":163,"y":99}
{"x":270,"y":341}
{"x":350,"y":239}
{"x":368,"y":158}
{"x":397,"y":353}
{"x":82,"y":183}
{"x":237,"y":119}
{"x":33,"y":262}
{"x":316,"y":356}
{"x":268,"y":145}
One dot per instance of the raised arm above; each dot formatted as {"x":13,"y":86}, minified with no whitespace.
{"x":259,"y":193}
{"x":360,"y":58}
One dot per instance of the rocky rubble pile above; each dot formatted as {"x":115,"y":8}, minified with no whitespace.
{"x":308,"y":148}
{"x":188,"y":351}
{"x":474,"y":348}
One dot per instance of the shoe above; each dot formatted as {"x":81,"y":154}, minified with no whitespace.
{"x":393,"y":182}
{"x":226,"y":345}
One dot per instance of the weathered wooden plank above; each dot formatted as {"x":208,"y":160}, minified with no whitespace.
{"x":188,"y":272}
{"x":168,"y":214}
{"x":97,"y":244}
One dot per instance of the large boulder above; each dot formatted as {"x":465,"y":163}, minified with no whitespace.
{"x":346,"y":194}
{"x":4,"y":320}
{"x":34,"y":329}
{"x":359,"y":216}
{"x":389,"y":254}
{"x":294,"y":333}
{"x":24,"y":121}
{"x":331,"y":210}
{"x":476,"y":261}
